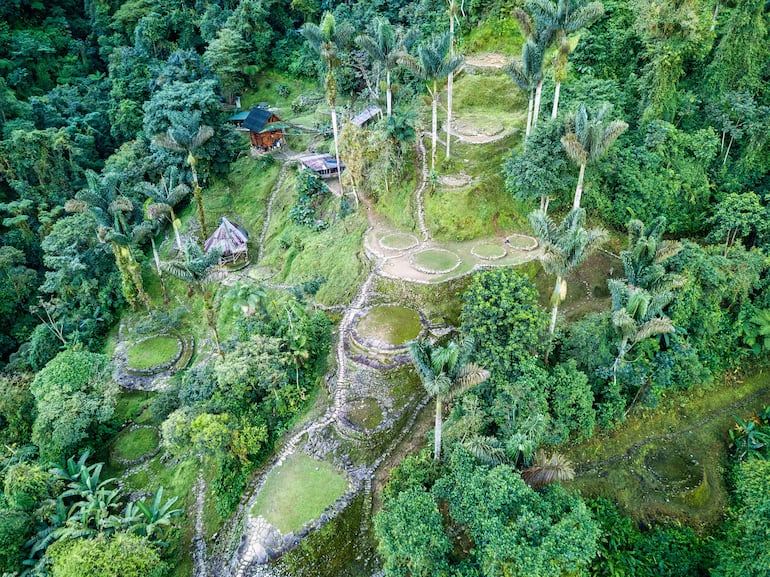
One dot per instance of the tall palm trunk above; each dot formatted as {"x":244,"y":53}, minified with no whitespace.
{"x":437,"y":430}
{"x":388,"y":92}
{"x":156,"y":256}
{"x":556,"y":299}
{"x":434,"y":126}
{"x":175,"y":226}
{"x":209,"y":307}
{"x":579,"y":189}
{"x":199,"y":206}
{"x":335,"y":130}
{"x":538,"y":95}
{"x":450,"y":80}
{"x":530,"y":108}
{"x":556,"y":93}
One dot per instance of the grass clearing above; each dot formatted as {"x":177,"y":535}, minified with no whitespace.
{"x":334,"y":255}
{"x":133,"y":444}
{"x":298,"y":491}
{"x":494,"y":35}
{"x":153,"y":352}
{"x":642,"y":465}
{"x":393,"y":325}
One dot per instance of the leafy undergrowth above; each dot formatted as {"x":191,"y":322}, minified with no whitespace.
{"x":494,"y":35}
{"x":278,"y":90}
{"x":298,"y":491}
{"x":397,"y":202}
{"x":690,"y":428}
{"x":331,"y":257}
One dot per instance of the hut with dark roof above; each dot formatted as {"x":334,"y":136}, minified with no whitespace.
{"x":231,"y":240}
{"x":264,"y":131}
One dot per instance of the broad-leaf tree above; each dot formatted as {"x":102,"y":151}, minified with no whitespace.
{"x":565,"y":247}
{"x":432,"y":65}
{"x":445,"y":372}
{"x":589,"y":135}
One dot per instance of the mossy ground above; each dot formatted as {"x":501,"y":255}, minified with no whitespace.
{"x":693,"y":426}
{"x":298,"y":491}
{"x":136,"y":443}
{"x":393,"y":325}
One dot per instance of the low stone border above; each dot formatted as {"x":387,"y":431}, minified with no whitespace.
{"x":386,"y":246}
{"x":427,"y":270}
{"x":531,"y":242}
{"x":489,"y":257}
{"x":378,"y":346}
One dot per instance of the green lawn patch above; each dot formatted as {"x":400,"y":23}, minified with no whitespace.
{"x":298,"y":491}
{"x":393,"y":325}
{"x":494,"y":35}
{"x":153,"y":352}
{"x":435,"y":260}
{"x":134,"y":444}
{"x":364,"y":413}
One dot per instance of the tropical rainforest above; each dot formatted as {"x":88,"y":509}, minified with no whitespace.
{"x":525,"y":331}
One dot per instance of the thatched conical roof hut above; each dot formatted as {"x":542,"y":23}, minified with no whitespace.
{"x":231,"y":240}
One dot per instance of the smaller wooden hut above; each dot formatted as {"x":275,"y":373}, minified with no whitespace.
{"x":231,"y":240}
{"x":264,"y":132}
{"x":325,"y":165}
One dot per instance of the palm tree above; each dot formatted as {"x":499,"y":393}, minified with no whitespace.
{"x":527,"y":75}
{"x":111,"y":211}
{"x":565,"y":247}
{"x":385,"y":46}
{"x":643,"y":260}
{"x":540,"y":36}
{"x":187,"y":134}
{"x":433,"y":63}
{"x":546,"y":470}
{"x":563,"y":17}
{"x":328,"y":40}
{"x":637,"y":315}
{"x":168,"y":193}
{"x":199,"y":269}
{"x":445,"y":372}
{"x":588,"y":138}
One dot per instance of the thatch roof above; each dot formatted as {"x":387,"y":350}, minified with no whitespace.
{"x":229,"y":238}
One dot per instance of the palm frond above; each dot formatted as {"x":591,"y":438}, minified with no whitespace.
{"x":574,"y":148}
{"x":584,"y":17}
{"x":547,"y":470}
{"x":654,"y":327}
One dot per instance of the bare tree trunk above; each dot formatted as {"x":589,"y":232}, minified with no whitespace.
{"x":437,"y":430}
{"x":555,"y":309}
{"x":337,"y":147}
{"x":714,"y":17}
{"x":156,"y":256}
{"x":530,"y":108}
{"x":579,"y":189}
{"x":727,"y":152}
{"x":556,"y":93}
{"x":175,"y":227}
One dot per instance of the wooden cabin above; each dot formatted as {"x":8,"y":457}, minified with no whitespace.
{"x":263,"y":136}
{"x":368,"y":114}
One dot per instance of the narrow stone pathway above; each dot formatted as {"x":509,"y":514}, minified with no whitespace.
{"x":257,"y":536}
{"x":200,"y":556}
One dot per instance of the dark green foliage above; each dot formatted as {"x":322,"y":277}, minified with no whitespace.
{"x":73,"y":394}
{"x":228,"y":484}
{"x":541,"y":168}
{"x":571,"y":403}
{"x":15,"y":528}
{"x":121,"y":555}
{"x":310,"y":191}
{"x":411,"y":536}
{"x":658,"y":551}
{"x":746,"y":550}
{"x":26,"y":485}
{"x":663,"y":173}
{"x":17,"y":406}
{"x":501,"y":314}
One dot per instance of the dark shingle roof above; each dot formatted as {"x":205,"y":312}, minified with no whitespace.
{"x":257,"y":119}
